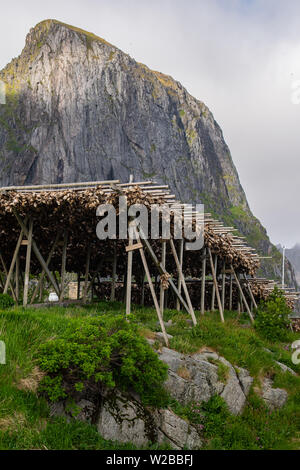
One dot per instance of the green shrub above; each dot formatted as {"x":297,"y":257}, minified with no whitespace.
{"x":272,"y":317}
{"x":94,"y":353}
{"x":6,"y":301}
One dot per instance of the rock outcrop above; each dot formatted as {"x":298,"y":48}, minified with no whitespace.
{"x":191,"y":380}
{"x":273,"y":397}
{"x":125,"y":420}
{"x":78,"y":109}
{"x":199,"y":377}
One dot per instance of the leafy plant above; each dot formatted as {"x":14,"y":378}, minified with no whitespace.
{"x":272,"y":317}
{"x":99,"y":352}
{"x":6,"y":301}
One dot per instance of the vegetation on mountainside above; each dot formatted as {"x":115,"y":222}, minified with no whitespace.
{"x":30,"y":334}
{"x":272,"y":317}
{"x":250,"y":227}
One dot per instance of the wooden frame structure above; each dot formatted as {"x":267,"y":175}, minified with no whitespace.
{"x":225,"y":267}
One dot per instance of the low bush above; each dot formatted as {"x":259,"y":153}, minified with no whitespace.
{"x":6,"y":301}
{"x":100,"y":352}
{"x":272,"y":317}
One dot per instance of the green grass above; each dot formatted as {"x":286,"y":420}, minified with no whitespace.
{"x":24,"y":415}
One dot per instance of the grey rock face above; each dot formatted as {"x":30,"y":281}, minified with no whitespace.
{"x":89,"y":112}
{"x":58,"y":409}
{"x":273,"y":397}
{"x":195,"y":379}
{"x":176,"y":431}
{"x":84,"y":410}
{"x":245,"y":380}
{"x":87,"y":410}
{"x":126,"y":420}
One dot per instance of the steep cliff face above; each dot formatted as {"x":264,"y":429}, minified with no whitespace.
{"x":293,"y":255}
{"x":80,"y":109}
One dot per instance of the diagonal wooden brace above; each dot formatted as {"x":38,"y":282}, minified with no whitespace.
{"x":37,"y":253}
{"x":6,"y":274}
{"x":43,"y":271}
{"x":212,"y":267}
{"x":11,"y":269}
{"x":242,"y":294}
{"x":181,"y":276}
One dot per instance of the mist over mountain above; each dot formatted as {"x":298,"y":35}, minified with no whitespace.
{"x":79,"y":109}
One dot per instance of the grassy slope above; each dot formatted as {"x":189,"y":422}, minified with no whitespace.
{"x":24,"y":417}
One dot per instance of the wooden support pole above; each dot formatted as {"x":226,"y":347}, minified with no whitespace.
{"x":87,"y":271}
{"x":243,"y":308}
{"x":181,"y":247}
{"x":223,"y":286}
{"x":242,"y":294}
{"x":114,"y":275}
{"x":6,"y":274}
{"x":213,"y":296}
{"x":17,"y":279}
{"x":241,"y":303}
{"x":230,"y":293}
{"x":160,"y":318}
{"x":180,"y":274}
{"x":163,"y":263}
{"x":129,"y":270}
{"x":52,"y":187}
{"x":250,"y":292}
{"x":203,"y":282}
{"x":37,"y":253}
{"x":63,"y":267}
{"x":12,"y":266}
{"x":78,"y":286}
{"x":41,"y":280}
{"x":27,"y":266}
{"x":216,"y":284}
{"x":41,"y":284}
{"x":143,"y":291}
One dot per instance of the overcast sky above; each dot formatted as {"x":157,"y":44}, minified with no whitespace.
{"x":241,"y":57}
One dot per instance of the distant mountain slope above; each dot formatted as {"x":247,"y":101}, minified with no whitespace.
{"x":80,"y":109}
{"x":293,"y":255}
